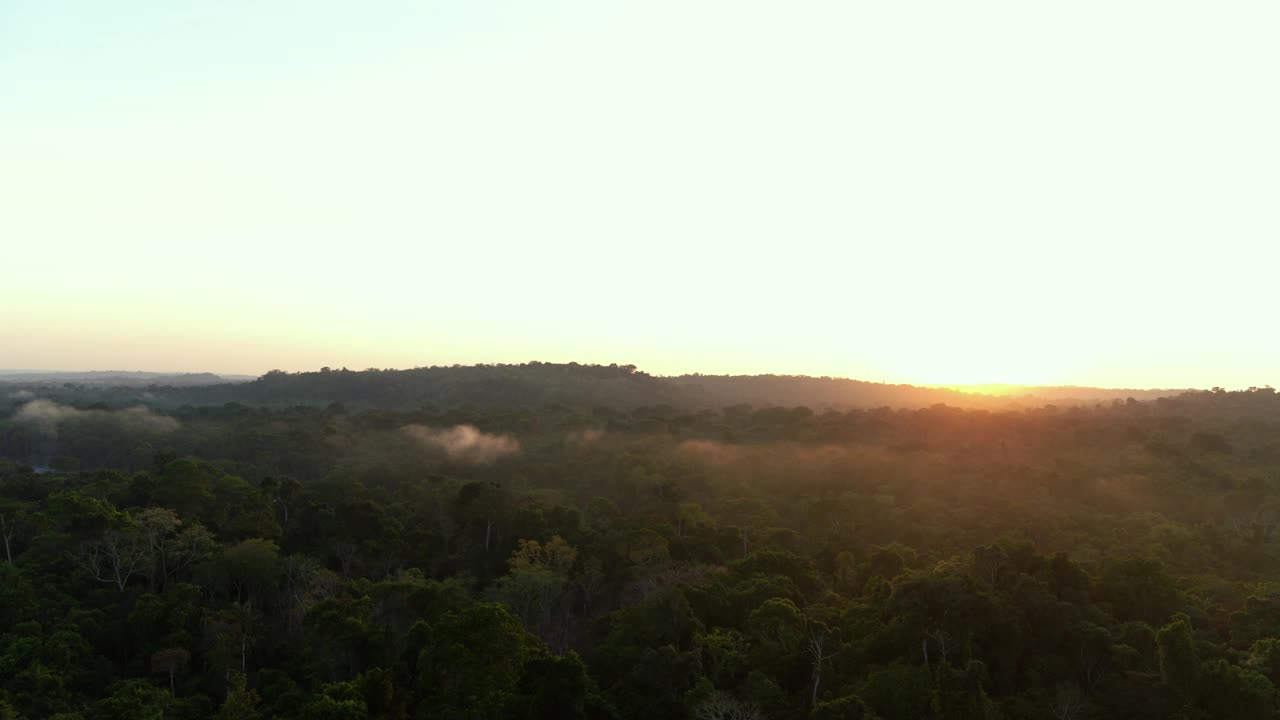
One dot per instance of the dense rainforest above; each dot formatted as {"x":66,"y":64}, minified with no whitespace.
{"x":325,"y":546}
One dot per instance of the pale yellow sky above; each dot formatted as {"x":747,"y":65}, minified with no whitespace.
{"x":1079,"y":193}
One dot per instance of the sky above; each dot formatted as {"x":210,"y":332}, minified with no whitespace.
{"x":921,"y":192}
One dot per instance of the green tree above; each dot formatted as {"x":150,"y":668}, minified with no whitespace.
{"x":1227,"y":691}
{"x":253,"y":569}
{"x":242,"y":701}
{"x":1179,"y":665}
{"x":473,"y":662}
{"x":14,"y":520}
{"x":170,"y":662}
{"x":131,"y":700}
{"x":846,"y":708}
{"x":337,"y":701}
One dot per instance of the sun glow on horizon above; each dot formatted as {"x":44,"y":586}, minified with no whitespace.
{"x":968,"y":355}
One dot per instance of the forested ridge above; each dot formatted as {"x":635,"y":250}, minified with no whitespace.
{"x":521,"y":551}
{"x":538,"y":383}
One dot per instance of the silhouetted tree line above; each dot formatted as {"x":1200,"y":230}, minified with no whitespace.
{"x":536,"y":384}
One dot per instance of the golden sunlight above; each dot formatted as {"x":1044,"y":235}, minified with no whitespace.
{"x":964,"y":357}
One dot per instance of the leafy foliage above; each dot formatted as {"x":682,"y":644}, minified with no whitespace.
{"x":631,"y":560}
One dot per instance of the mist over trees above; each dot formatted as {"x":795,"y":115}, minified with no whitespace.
{"x":550,"y":541}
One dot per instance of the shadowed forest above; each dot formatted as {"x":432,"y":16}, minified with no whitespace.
{"x":576,"y":541}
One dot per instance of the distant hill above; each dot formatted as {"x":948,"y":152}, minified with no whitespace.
{"x":814,"y":392}
{"x":116,"y":378}
{"x":620,"y":386}
{"x":1067,"y":393}
{"x":536,"y":384}
{"x":817,"y":392}
{"x":526,"y":385}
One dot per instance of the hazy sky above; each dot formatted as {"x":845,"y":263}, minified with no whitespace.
{"x":934,"y":192}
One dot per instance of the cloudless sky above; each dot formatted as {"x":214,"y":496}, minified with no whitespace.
{"x":932,"y":192}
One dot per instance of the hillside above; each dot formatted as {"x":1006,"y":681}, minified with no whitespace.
{"x":115,"y":378}
{"x":538,"y":384}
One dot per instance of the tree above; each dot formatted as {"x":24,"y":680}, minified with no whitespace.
{"x":846,"y":708}
{"x":284,"y":493}
{"x":1068,"y":702}
{"x":750,"y":515}
{"x":170,"y":661}
{"x":723,"y":706}
{"x":239,"y":510}
{"x":483,"y":504}
{"x":1140,"y":589}
{"x":339,"y":636}
{"x":1264,"y":658}
{"x":1093,"y":648}
{"x":959,"y":693}
{"x":690,"y":517}
{"x":242,"y":701}
{"x":253,"y":568}
{"x":131,"y":700}
{"x":644,"y":548}
{"x":556,"y":688}
{"x":13,"y":519}
{"x":899,"y":690}
{"x":1227,"y":691}
{"x":988,"y":560}
{"x":1179,"y":666}
{"x":472,"y":662}
{"x":536,"y":588}
{"x":156,"y":527}
{"x":819,"y":655}
{"x":779,"y":638}
{"x":725,"y":656}
{"x":185,"y":486}
{"x":117,"y":556}
{"x":191,"y":545}
{"x":1258,"y":620}
{"x":940,"y":613}
{"x":655,"y":684}
{"x":305,"y":582}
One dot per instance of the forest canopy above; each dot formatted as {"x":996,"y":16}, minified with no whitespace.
{"x":548,"y":541}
